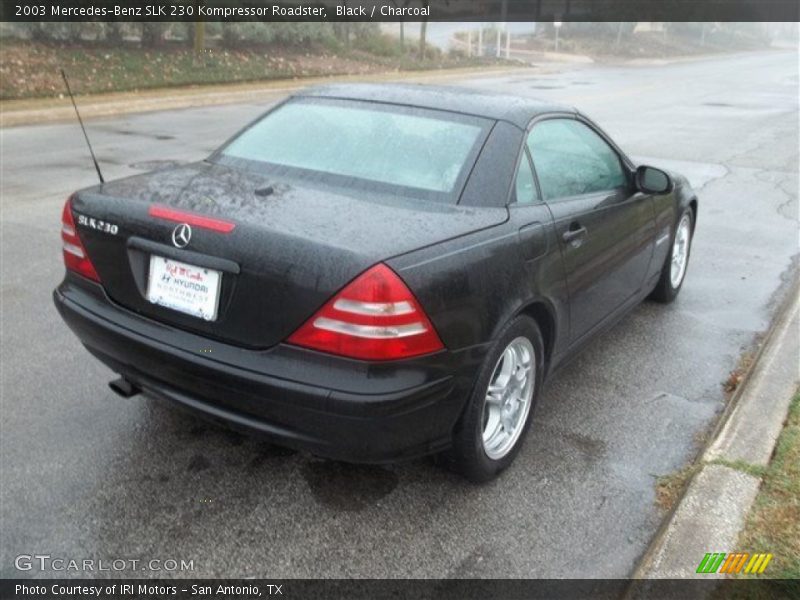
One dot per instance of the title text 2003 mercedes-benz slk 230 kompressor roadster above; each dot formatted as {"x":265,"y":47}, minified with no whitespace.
{"x":374,"y":273}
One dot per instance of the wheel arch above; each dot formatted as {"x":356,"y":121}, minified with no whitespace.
{"x":693,"y":207}
{"x":544,"y":316}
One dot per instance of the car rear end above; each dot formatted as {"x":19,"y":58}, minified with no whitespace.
{"x":265,"y":301}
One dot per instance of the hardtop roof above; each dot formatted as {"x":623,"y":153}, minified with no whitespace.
{"x":518,"y":110}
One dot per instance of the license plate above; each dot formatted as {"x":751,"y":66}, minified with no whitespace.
{"x":186,"y":288}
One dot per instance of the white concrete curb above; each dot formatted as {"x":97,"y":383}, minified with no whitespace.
{"x":711,"y":513}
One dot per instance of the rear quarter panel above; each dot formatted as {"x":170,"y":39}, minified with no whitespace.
{"x":472,"y":286}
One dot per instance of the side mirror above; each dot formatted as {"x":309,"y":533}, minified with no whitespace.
{"x":652,"y":181}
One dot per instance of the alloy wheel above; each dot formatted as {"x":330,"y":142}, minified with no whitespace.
{"x":680,"y":251}
{"x":508,"y":398}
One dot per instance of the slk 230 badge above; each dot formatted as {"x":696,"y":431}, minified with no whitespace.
{"x":97,"y":224}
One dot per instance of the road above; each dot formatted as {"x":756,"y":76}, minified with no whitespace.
{"x":86,"y":474}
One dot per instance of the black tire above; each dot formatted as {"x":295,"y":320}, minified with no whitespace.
{"x":467,"y":455}
{"x":664,"y":291}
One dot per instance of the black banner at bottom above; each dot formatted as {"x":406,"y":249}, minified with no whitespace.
{"x":379,"y":589}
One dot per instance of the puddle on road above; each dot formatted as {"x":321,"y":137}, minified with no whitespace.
{"x":198,"y":463}
{"x":156,"y":165}
{"x":155,"y":136}
{"x":347,"y":487}
{"x":234,"y":438}
{"x":589,"y":446}
{"x":267,"y":452}
{"x":159,"y":478}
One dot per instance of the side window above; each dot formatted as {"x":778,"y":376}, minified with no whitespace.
{"x":571,"y":159}
{"x":526,"y":192}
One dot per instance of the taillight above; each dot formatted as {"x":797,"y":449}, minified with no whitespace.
{"x":75,"y":256}
{"x":375,"y":317}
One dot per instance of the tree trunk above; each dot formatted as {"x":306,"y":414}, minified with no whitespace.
{"x":113,"y":33}
{"x":422,"y":33}
{"x":152,"y":35}
{"x":343,"y":30}
{"x":196,"y":33}
{"x":199,"y":37}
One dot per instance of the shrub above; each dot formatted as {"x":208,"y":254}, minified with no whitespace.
{"x":379,"y":44}
{"x":290,"y":34}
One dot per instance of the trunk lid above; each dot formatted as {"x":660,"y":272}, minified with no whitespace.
{"x":294,"y":245}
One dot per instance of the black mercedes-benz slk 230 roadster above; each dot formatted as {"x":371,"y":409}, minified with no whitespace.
{"x":374,"y":272}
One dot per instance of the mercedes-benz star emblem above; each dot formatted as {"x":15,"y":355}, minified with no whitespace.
{"x":181,"y":235}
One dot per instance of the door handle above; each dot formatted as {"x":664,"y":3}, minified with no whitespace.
{"x":573,"y":234}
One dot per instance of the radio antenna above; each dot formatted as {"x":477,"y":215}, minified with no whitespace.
{"x":88,"y":143}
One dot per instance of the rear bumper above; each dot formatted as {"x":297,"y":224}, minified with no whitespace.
{"x":332,"y":407}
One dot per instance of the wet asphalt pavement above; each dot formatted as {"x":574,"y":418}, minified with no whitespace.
{"x":86,"y":474}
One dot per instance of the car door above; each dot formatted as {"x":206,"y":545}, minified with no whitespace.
{"x":603,"y":225}
{"x":542,"y":266}
{"x":529,"y":214}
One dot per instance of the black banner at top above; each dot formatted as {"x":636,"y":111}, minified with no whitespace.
{"x":399,"y":10}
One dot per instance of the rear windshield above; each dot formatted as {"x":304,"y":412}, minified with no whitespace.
{"x":393,"y":147}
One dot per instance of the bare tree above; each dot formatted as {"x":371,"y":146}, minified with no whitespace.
{"x":199,"y":32}
{"x":113,"y":33}
{"x":342,"y":30}
{"x":400,"y":4}
{"x":624,"y":29}
{"x":423,"y":31}
{"x":152,"y":34}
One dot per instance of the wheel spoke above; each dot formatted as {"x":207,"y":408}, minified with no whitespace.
{"x":499,"y":437}
{"x":523,"y":366}
{"x":509,"y":364}
{"x":495,"y":398}
{"x":493,"y":423}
